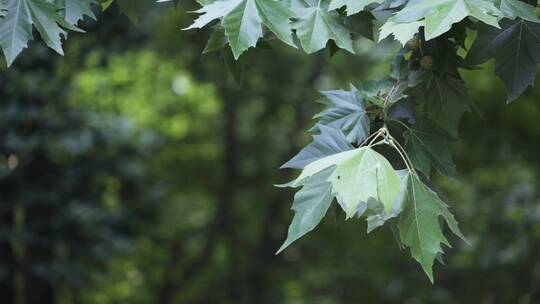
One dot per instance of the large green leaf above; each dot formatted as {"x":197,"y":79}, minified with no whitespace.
{"x":360,"y":175}
{"x":16,"y":26}
{"x":419,"y":226}
{"x":310,"y":205}
{"x":426,"y":145}
{"x":315,"y":25}
{"x":516,"y":49}
{"x":345,"y":110}
{"x":353,"y":6}
{"x":330,"y":141}
{"x":367,"y":175}
{"x":445,"y":100}
{"x":243,"y":19}
{"x":439,"y":15}
{"x":402,"y":32}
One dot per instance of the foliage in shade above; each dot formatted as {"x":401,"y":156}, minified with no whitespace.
{"x":516,"y":50}
{"x":373,"y":145}
{"x":330,"y":141}
{"x":345,"y":110}
{"x":445,"y":100}
{"x":429,"y":146}
{"x":419,"y":226}
{"x":310,"y":206}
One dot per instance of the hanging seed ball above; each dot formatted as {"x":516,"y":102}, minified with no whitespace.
{"x":426,"y":62}
{"x":413,"y":44}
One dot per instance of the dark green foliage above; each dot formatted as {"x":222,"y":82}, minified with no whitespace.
{"x":371,"y":143}
{"x":74,"y":192}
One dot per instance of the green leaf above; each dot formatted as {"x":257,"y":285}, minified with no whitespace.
{"x":402,"y":32}
{"x":353,"y":6}
{"x":377,"y":216}
{"x":330,"y":141}
{"x":426,"y":145}
{"x":513,"y":9}
{"x":16,"y":26}
{"x":419,"y":226}
{"x":242,"y":26}
{"x":75,"y":10}
{"x":445,"y":100}
{"x":243,"y":19}
{"x":439,"y":15}
{"x":516,"y":49}
{"x":315,"y":26}
{"x":275,"y":15}
{"x":310,"y":205}
{"x":360,"y":175}
{"x":345,"y":110}
{"x":366,"y":175}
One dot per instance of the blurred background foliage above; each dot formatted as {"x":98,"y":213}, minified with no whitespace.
{"x":136,"y":170}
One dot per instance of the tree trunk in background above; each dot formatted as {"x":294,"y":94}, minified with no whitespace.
{"x":228,"y":190}
{"x":39,"y":250}
{"x":7,"y":260}
{"x":38,"y":290}
{"x":223,"y":225}
{"x":265,"y":259}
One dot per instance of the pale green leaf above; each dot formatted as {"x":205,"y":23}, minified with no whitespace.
{"x":377,"y":216}
{"x":243,"y":19}
{"x":323,"y":163}
{"x":439,"y":15}
{"x":353,"y":6}
{"x":360,"y":175}
{"x":402,"y":32}
{"x":366,"y":175}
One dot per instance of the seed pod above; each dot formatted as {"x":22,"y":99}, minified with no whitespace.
{"x":426,"y":62}
{"x":413,"y":44}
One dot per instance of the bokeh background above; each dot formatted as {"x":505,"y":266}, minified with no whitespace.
{"x":136,"y":170}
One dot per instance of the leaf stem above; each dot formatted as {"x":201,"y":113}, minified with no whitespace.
{"x":401,"y":123}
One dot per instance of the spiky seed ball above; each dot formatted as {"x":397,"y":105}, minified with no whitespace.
{"x":413,"y":44}
{"x":426,"y":62}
